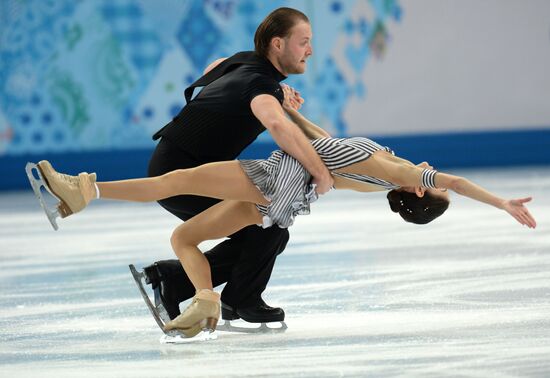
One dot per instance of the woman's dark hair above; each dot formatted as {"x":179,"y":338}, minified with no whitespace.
{"x":414,"y":209}
{"x":277,"y":24}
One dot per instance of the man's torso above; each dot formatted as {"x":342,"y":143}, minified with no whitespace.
{"x":218,"y":123}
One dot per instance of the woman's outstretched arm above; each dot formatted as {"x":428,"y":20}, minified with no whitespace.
{"x":411,"y":175}
{"x":385,"y":166}
{"x":463,"y":186}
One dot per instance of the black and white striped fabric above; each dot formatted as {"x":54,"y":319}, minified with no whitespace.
{"x":428,"y":178}
{"x":287,"y":184}
{"x":338,"y":153}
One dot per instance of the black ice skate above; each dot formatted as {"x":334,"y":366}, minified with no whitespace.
{"x":268,"y":323}
{"x":257,"y":319}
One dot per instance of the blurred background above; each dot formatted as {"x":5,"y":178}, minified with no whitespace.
{"x":457,"y":83}
{"x":463,"y":84}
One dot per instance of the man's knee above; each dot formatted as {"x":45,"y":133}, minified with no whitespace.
{"x":279,"y":238}
{"x":266,"y":242}
{"x":285,"y":237}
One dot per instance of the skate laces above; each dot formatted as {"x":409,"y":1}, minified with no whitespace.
{"x":73,"y":180}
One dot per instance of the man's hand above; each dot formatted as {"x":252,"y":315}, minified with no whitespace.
{"x":323,"y":184}
{"x":292,"y":100}
{"x":291,"y":139}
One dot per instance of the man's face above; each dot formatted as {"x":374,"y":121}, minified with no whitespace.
{"x":295,"y":49}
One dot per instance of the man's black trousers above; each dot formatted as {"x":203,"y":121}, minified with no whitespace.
{"x":245,"y":260}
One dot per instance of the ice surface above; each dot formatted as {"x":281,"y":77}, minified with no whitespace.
{"x":365,"y":294}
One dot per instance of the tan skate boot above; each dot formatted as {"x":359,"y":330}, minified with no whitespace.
{"x":202,"y":313}
{"x":74,"y":192}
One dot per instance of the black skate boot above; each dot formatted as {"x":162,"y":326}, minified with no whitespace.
{"x":165,"y":290}
{"x":258,"y":313}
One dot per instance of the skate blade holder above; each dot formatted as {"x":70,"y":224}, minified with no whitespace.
{"x":175,"y":337}
{"x":161,"y":317}
{"x":37,"y":183}
{"x":245,"y":327}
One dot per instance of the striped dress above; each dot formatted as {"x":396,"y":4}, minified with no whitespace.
{"x":287,"y":184}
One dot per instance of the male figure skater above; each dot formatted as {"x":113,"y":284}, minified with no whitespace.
{"x":241,"y":98}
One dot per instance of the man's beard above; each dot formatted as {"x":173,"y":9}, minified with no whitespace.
{"x":296,"y":68}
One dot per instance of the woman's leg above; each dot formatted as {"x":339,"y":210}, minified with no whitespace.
{"x":222,"y":180}
{"x":216,"y":222}
{"x":220,"y":220}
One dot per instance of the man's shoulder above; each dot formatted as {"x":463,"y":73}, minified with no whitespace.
{"x":245,"y":73}
{"x":261,"y":70}
{"x":213,"y":65}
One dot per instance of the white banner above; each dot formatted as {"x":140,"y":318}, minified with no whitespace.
{"x":459,"y":66}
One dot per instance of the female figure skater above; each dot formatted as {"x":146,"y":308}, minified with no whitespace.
{"x":272,"y":192}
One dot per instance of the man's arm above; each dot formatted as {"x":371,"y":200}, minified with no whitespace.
{"x":291,"y":140}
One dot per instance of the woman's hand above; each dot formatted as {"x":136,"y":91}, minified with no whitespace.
{"x":293,"y":100}
{"x":425,"y":164}
{"x":515,"y":208}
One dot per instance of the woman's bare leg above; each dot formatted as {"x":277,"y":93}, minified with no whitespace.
{"x":220,"y":220}
{"x":217,"y":221}
{"x":222,"y":180}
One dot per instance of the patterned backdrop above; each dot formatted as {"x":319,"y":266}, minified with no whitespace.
{"x":104,"y":75}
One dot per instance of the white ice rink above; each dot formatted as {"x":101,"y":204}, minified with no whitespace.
{"x":365,"y":294}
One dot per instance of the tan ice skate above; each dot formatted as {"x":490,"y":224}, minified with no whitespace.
{"x":73,"y":192}
{"x":202,"y":314}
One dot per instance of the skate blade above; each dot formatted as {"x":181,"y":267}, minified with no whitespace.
{"x":245,"y":327}
{"x":158,"y":303}
{"x":174,"y":337}
{"x":161,"y":317}
{"x":36,"y":184}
